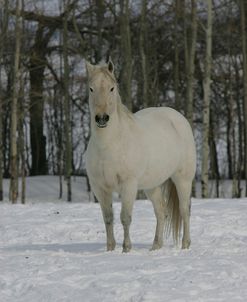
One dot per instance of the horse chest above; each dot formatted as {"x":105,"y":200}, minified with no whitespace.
{"x":108,"y":170}
{"x":110,"y":175}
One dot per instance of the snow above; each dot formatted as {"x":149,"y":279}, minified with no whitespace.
{"x":52,"y":250}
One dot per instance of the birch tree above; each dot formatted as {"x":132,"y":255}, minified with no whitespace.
{"x":21,"y":140}
{"x":68,"y":147}
{"x":206,"y":100}
{"x":190,"y":37}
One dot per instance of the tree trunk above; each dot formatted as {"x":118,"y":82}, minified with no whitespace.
{"x":59,"y":114}
{"x":58,"y":122}
{"x":190,"y":49}
{"x":232,"y":142}
{"x":22,"y":142}
{"x":21,"y":132}
{"x":190,"y":36}
{"x":68,"y":147}
{"x":240,"y":164}
{"x":229,"y":134}
{"x":213,"y":152}
{"x":7,"y":124}
{"x":3,"y":36}
{"x":14,"y":115}
{"x":176,"y":54}
{"x":100,"y":8}
{"x":36,"y":69}
{"x":143,"y":57}
{"x":1,"y":135}
{"x":243,"y":9}
{"x":126,"y":72}
{"x":206,"y":101}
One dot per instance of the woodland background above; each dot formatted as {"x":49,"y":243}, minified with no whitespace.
{"x":189,"y":55}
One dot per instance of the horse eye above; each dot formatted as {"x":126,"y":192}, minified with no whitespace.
{"x":112,"y":88}
{"x":91,"y":89}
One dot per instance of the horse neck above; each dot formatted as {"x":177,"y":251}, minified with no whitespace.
{"x":123,"y":111}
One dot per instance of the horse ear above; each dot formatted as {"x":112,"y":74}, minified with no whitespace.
{"x":90,"y":67}
{"x":110,"y":66}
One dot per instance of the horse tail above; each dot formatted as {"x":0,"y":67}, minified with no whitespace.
{"x":173,"y":221}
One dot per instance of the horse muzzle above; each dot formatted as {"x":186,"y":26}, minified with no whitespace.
{"x":101,"y":120}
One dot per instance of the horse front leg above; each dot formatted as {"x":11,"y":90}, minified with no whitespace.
{"x":128,"y":196}
{"x":105,"y":200}
{"x":107,"y":212}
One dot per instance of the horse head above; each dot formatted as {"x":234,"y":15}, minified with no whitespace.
{"x":103,"y":93}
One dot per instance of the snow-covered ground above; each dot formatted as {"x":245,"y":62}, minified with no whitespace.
{"x":52,"y":251}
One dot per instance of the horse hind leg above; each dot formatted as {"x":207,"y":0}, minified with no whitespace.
{"x":183,"y":187}
{"x":156,"y":196}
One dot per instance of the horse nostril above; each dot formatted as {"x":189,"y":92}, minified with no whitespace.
{"x":97,"y":118}
{"x":106,"y":117}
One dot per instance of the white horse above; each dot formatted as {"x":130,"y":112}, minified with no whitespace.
{"x":150,"y":150}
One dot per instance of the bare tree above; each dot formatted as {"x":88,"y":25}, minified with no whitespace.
{"x":21,"y":140}
{"x":37,"y":67}
{"x":206,"y":100}
{"x":143,"y":55}
{"x":14,"y":109}
{"x":67,"y":110}
{"x":100,"y":8}
{"x":243,"y":10}
{"x":3,"y":36}
{"x":178,"y":10}
{"x":190,"y":35}
{"x":126,"y":71}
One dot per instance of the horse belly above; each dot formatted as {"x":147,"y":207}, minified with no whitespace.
{"x":156,"y":174}
{"x":164,"y":158}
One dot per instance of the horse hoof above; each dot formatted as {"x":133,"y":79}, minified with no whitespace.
{"x":156,"y":246}
{"x":185,"y":244}
{"x":111,"y":247}
{"x":126,"y":248}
